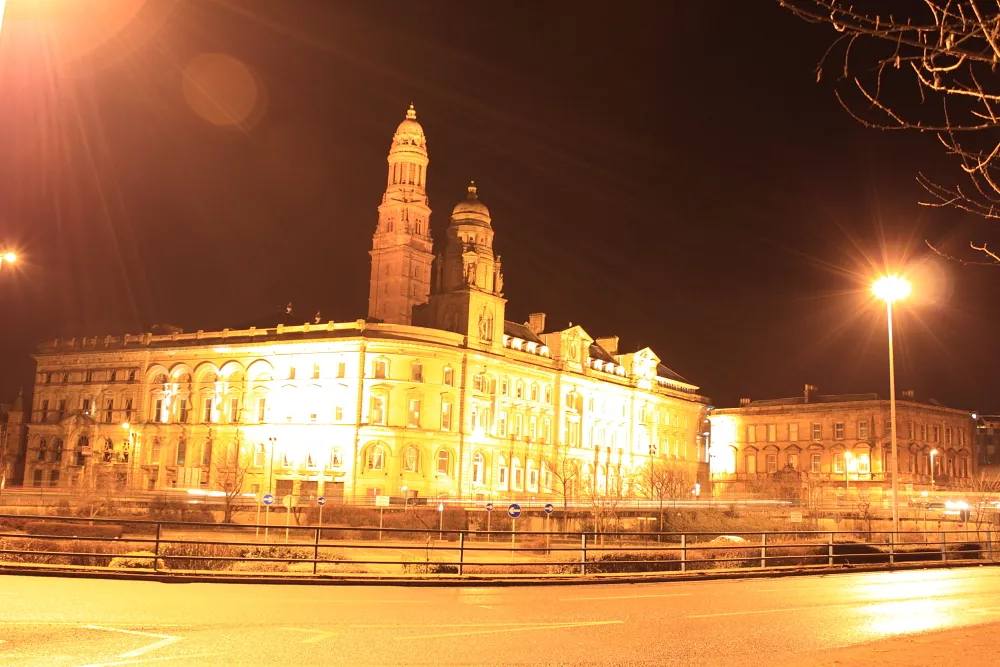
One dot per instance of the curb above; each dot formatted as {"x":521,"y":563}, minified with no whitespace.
{"x":454,"y":581}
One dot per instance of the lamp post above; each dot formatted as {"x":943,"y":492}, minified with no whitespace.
{"x":933,"y":454}
{"x":270,"y":468}
{"x":892,"y":288}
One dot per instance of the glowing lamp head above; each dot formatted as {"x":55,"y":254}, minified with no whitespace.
{"x":934,"y":452}
{"x":10,"y":257}
{"x":891,"y":288}
{"x":125,"y":425}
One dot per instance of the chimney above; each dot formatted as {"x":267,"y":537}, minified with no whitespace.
{"x":811,"y":392}
{"x":910,"y":394}
{"x":610,"y":344}
{"x":536,"y":322}
{"x":744,"y":402}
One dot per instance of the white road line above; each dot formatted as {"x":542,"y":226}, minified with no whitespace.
{"x":628,"y":597}
{"x":165,"y":640}
{"x":529,"y":628}
{"x":819,"y":607}
{"x":142,"y":660}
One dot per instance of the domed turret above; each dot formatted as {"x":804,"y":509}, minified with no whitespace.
{"x":409,"y":132}
{"x":471,"y":210}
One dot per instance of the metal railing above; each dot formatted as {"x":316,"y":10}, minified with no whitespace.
{"x":254,"y":550}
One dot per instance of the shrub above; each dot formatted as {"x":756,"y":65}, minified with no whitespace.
{"x":633,"y":561}
{"x":12,"y":524}
{"x":192,"y":555}
{"x":72,"y":529}
{"x":137,"y":560}
{"x":257,"y":566}
{"x":470,"y":568}
{"x":71,"y":552}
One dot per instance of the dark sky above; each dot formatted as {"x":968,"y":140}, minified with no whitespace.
{"x":670,"y":172}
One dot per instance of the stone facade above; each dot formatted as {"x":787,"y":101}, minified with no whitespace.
{"x":465,"y":405}
{"x":835,"y":440}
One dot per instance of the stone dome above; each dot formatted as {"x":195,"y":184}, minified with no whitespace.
{"x":410,"y":126}
{"x":471,"y":209}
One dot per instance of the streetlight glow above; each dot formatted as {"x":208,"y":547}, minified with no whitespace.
{"x":891,"y":288}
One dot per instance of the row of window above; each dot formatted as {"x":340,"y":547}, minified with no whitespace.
{"x":89,"y":376}
{"x":861,"y":463}
{"x":864,"y":429}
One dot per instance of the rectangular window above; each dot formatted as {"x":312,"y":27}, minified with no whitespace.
{"x":546,"y":429}
{"x":313,"y":417}
{"x":109,"y":410}
{"x":183,"y":411}
{"x":157,"y":415}
{"x":936,"y":432}
{"x":315,"y":372}
{"x":377,"y":412}
{"x":864,"y":464}
{"x":62,"y":412}
{"x":128,"y":409}
{"x":380,"y":368}
{"x":206,"y":415}
{"x":793,"y":432}
{"x":793,"y":461}
{"x":413,"y":418}
{"x":338,"y":413}
{"x":446,"y":416}
{"x":751,"y":463}
{"x":888,"y":427}
{"x":335,"y":457}
{"x":838,"y":431}
{"x":234,"y":410}
{"x":751,"y":433}
{"x":502,"y":476}
{"x":947,"y":435}
{"x":261,"y":409}
{"x":772,"y":432}
{"x":416,"y":373}
{"x":291,"y":372}
{"x":341,"y":369}
{"x":909,"y":430}
{"x":45,"y":410}
{"x":88,"y":377}
{"x":449,"y":377}
{"x":772,"y":463}
{"x":838,"y":463}
{"x":817,"y":431}
{"x":86,"y":406}
{"x":533,"y":427}
{"x":816,"y":463}
{"x":502,"y":426}
{"x":862,"y":430}
{"x":518,"y":423}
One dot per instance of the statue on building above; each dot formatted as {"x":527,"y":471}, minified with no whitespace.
{"x":470,"y":273}
{"x":497,"y":281}
{"x":485,"y":324}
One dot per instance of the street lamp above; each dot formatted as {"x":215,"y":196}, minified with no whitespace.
{"x":892,"y":288}
{"x":8,"y":257}
{"x":933,"y":454}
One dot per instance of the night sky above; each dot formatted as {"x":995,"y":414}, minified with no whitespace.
{"x":668,"y":172}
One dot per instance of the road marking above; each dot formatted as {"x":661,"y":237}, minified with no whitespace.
{"x":165,"y":640}
{"x":142,"y":660}
{"x":628,"y":597}
{"x":318,"y":635}
{"x":527,"y":628}
{"x":482,"y":606}
{"x":777,"y":611}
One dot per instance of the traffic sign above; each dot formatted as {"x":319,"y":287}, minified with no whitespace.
{"x":321,"y":501}
{"x":268,"y":499}
{"x":489,"y":507}
{"x":549,"y":508}
{"x":514,"y":510}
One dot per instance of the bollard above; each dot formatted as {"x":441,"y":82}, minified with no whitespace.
{"x":892,"y":548}
{"x":461,"y":553}
{"x":583,"y":553}
{"x":763,"y":550}
{"x":316,"y":552}
{"x":684,"y":554}
{"x":944,"y":543}
{"x":156,"y":549}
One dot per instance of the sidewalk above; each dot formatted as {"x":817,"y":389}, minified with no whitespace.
{"x":975,"y":646}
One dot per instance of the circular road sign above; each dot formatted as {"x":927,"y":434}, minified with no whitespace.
{"x":268,"y":499}
{"x":514,"y":510}
{"x":321,"y":501}
{"x":549,"y":508}
{"x":489,"y":507}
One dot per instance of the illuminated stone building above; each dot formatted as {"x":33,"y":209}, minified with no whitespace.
{"x":830,"y":440}
{"x":435,"y":394}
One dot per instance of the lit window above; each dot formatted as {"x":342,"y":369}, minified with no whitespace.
{"x":380,"y":369}
{"x":519,"y":389}
{"x":181,"y":451}
{"x":234,"y":410}
{"x":751,"y":433}
{"x":413,"y":414}
{"x":259,"y":455}
{"x":182,"y":411}
{"x":444,"y":462}
{"x":448,"y":376}
{"x":261,"y":409}
{"x":206,"y":413}
{"x":291,"y":372}
{"x":838,"y":431}
{"x":793,"y":432}
{"x":377,"y":411}
{"x":817,"y":431}
{"x":478,"y":468}
{"x":446,"y":411}
{"x":504,"y":386}
{"x":793,"y":461}
{"x":341,"y":369}
{"x":335,"y":457}
{"x":816,"y":463}
{"x":376,"y":457}
{"x":838,"y":463}
{"x":518,"y":475}
{"x":772,"y":432}
{"x":501,"y":472}
{"x":772,"y":463}
{"x":338,"y":413}
{"x":477,"y":382}
{"x":416,"y":372}
{"x":862,"y":430}
{"x":534,"y":392}
{"x":410,"y":459}
{"x":315,"y":372}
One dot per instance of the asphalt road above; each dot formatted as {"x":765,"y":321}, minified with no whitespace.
{"x":816,"y":620}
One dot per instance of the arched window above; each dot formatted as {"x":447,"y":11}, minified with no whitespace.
{"x":548,"y":394}
{"x":518,"y":474}
{"x":505,"y":386}
{"x":519,"y":389}
{"x":376,"y":457}
{"x":181,"y":451}
{"x":444,"y":462}
{"x":411,"y":459}
{"x":206,"y":454}
{"x":534,"y":392}
{"x":43,"y":446}
{"x":380,"y":369}
{"x":502,"y":472}
{"x":154,"y":451}
{"x":478,"y":468}
{"x":259,"y":455}
{"x":532,"y":476}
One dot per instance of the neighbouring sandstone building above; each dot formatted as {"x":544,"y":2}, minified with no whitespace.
{"x":435,"y":394}
{"x":815,"y":441}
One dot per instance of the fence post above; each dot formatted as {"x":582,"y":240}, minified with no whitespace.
{"x":461,"y":552}
{"x":829,"y":548}
{"x":156,"y":549}
{"x":763,"y":550}
{"x":316,"y":552}
{"x":583,"y":553}
{"x":944,"y":544}
{"x":892,"y":548}
{"x":684,"y":554}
